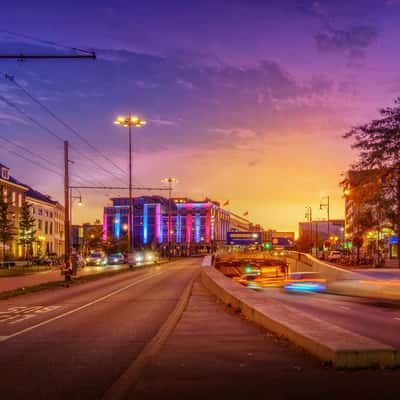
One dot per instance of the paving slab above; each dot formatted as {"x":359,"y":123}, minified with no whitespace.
{"x":232,"y":358}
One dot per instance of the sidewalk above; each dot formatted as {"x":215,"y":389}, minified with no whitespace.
{"x":15,"y":282}
{"x":216,"y":354}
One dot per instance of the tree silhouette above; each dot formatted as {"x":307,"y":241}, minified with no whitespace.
{"x":378,"y":144}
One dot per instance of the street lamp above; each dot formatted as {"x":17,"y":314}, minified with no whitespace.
{"x":327,"y":206}
{"x":129,"y":122}
{"x":170,"y":181}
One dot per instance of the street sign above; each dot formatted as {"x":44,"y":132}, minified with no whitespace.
{"x":243,"y":238}
{"x":282,"y":242}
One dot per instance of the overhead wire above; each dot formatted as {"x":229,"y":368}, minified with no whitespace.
{"x":62,"y":122}
{"x":43,"y":41}
{"x":55,"y":169}
{"x":29,"y":151}
{"x":52,"y":133}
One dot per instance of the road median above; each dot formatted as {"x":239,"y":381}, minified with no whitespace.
{"x":328,"y":342}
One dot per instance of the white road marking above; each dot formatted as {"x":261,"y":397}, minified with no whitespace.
{"x":15,"y":315}
{"x":345,"y":308}
{"x":398,"y":318}
{"x":5,"y":338}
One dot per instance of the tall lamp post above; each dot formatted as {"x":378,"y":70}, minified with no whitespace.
{"x":308,"y":216}
{"x":170,"y":181}
{"x":129,"y":122}
{"x":325,"y":203}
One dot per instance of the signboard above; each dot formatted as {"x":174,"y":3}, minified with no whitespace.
{"x":243,"y":238}
{"x":282,"y":242}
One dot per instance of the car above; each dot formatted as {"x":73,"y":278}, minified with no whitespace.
{"x":116,"y":258}
{"x":334,"y":255}
{"x":146,"y":257}
{"x":97,"y":259}
{"x":305,"y":282}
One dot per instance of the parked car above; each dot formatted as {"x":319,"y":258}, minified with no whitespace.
{"x":96,"y":259}
{"x":334,"y":256}
{"x":116,"y":258}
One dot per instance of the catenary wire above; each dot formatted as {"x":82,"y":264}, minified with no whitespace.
{"x":62,"y":122}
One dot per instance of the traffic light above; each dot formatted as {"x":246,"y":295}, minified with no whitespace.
{"x":267,"y":246}
{"x":247,"y":268}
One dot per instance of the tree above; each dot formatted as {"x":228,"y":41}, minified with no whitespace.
{"x":6,"y":226}
{"x":378,"y":144}
{"x":26,"y":229}
{"x":94,"y":238}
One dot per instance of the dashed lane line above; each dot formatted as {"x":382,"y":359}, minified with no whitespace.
{"x":31,"y":328}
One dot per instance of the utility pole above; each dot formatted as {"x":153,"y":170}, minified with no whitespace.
{"x":67,"y":237}
{"x":170,"y":181}
{"x":308,"y":215}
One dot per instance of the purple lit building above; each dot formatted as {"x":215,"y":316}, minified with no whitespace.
{"x":192,"y":226}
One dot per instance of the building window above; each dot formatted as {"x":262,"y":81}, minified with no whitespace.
{"x":51,"y":214}
{"x":40,"y":211}
{"x":51,"y":228}
{"x":4,"y":173}
{"x":40,"y":225}
{"x":13,"y":198}
{"x":46,"y":227}
{"x":19,"y":200}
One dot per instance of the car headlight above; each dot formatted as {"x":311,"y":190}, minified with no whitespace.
{"x":139,"y":258}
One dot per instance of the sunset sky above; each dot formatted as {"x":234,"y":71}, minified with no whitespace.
{"x":245,"y":100}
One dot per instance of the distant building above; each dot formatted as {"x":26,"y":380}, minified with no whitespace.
{"x":49,"y":223}
{"x":48,"y":215}
{"x":192,"y":225}
{"x":14,"y":193}
{"x":322,"y":230}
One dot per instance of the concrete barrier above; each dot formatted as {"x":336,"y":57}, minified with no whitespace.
{"x":331,"y":344}
{"x":301,"y":262}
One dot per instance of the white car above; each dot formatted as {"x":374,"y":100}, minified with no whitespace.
{"x":334,"y":255}
{"x":97,"y":259}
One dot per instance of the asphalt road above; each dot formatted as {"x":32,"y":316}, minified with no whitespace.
{"x":366,"y":317}
{"x":73,"y":343}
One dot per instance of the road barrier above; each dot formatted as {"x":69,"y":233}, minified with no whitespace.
{"x":301,"y":262}
{"x":329,"y":343}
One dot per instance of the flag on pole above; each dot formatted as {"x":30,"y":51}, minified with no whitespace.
{"x":226,"y":203}
{"x":245,"y":214}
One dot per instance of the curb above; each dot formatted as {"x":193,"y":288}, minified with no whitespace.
{"x":126,"y":383}
{"x":328,"y":342}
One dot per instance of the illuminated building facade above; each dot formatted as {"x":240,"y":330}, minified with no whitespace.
{"x":185,"y":224}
